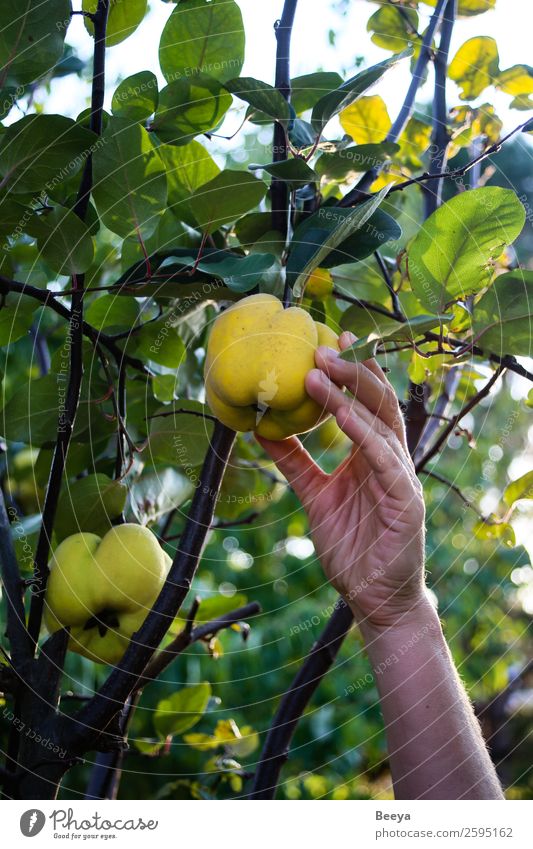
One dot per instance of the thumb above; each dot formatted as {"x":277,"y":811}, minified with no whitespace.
{"x":296,"y":464}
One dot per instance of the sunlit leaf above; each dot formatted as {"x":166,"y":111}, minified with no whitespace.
{"x":181,"y":710}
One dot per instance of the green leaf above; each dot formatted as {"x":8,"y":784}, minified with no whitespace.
{"x":31,"y":415}
{"x":239,"y":273}
{"x":451,"y":256}
{"x":110,"y":311}
{"x":217,"y":605}
{"x":518,"y":81}
{"x":15,"y":320}
{"x":42,"y":151}
{"x":188,"y":167}
{"x":495,"y":530}
{"x":307,"y":89}
{"x":159,"y":341}
{"x":321,"y":233}
{"x":261,"y":96}
{"x":130,"y":187}
{"x":188,"y":107}
{"x":226,"y":197}
{"x":136,"y":97}
{"x":393,"y":28}
{"x":123,"y":19}
{"x":475,"y":66}
{"x":181,"y":710}
{"x":344,"y":165}
{"x":203,"y":36}
{"x":293,"y":171}
{"x":390,"y":331}
{"x":518,"y":489}
{"x":89,"y":505}
{"x":503,"y":316}
{"x":64,"y":241}
{"x":375,"y":233}
{"x":179,"y":439}
{"x":367,"y":120}
{"x":31,"y":38}
{"x":334,"y":102}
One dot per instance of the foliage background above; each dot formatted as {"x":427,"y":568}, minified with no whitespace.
{"x":484,"y":589}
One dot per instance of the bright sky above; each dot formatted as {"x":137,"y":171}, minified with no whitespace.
{"x":310,"y":50}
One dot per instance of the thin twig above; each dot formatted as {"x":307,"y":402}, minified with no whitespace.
{"x":449,"y":429}
{"x":359,"y":192}
{"x":397,"y":311}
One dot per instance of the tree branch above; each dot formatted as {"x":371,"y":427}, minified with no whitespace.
{"x":20,"y":645}
{"x":278,"y":190}
{"x":67,"y":420}
{"x":359,"y":192}
{"x":440,"y":138}
{"x":49,"y":299}
{"x":449,"y":429}
{"x":295,"y":700}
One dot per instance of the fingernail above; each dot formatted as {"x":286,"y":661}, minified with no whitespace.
{"x":328,"y":353}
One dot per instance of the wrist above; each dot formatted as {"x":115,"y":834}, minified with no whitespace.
{"x":419,"y":616}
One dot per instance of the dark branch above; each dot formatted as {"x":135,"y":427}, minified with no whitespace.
{"x":20,"y":645}
{"x":440,"y":138}
{"x":67,"y":419}
{"x":359,"y":192}
{"x":295,"y":700}
{"x":278,"y":190}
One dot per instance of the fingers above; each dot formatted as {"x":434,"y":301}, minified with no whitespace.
{"x":375,"y":394}
{"x":346,"y":339}
{"x":297,"y":465}
{"x":377,"y":451}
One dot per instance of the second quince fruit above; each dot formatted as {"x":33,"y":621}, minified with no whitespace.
{"x":103,"y":589}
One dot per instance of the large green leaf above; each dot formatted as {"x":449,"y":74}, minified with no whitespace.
{"x":31,"y":414}
{"x":503,"y":316}
{"x":261,"y":96}
{"x":110,"y":311}
{"x":89,"y":505}
{"x":226,"y":197}
{"x":307,"y":89}
{"x":15,"y":319}
{"x":64,"y":241}
{"x":468,"y":8}
{"x":334,"y":102}
{"x":450,"y":257}
{"x":130,"y":187}
{"x":203,"y":36}
{"x":393,"y":28}
{"x":388,"y":330}
{"x":42,"y":151}
{"x":475,"y":66}
{"x":239,"y":273}
{"x":179,"y":439}
{"x":181,"y":710}
{"x":321,"y":233}
{"x":136,"y":97}
{"x":124,"y":18}
{"x":188,"y":107}
{"x":31,"y":38}
{"x":188,"y":167}
{"x":518,"y":489}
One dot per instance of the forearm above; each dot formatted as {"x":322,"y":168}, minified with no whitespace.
{"x":435,"y":745}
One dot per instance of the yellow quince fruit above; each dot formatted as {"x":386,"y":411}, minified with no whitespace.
{"x":103,"y":589}
{"x":257,"y":358}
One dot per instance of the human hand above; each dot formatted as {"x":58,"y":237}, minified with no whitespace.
{"x":367,"y":517}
